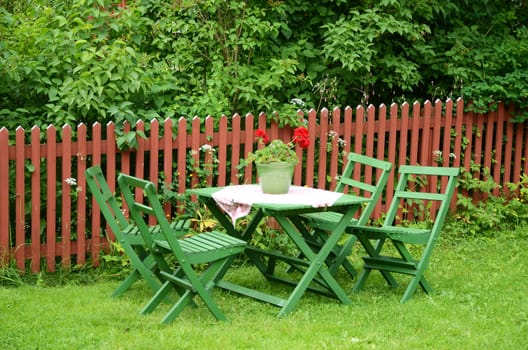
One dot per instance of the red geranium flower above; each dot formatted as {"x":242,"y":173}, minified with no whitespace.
{"x":300,"y":137}
{"x":261,"y":136}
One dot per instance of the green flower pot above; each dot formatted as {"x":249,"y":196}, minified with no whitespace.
{"x":275,"y":178}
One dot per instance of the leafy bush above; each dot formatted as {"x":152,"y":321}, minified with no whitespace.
{"x":492,"y":214}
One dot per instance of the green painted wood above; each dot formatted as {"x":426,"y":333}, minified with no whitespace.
{"x":210,"y":248}
{"x":353,"y":179}
{"x":402,"y":237}
{"x":128,"y":236}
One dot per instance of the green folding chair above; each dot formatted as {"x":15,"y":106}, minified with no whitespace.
{"x":211,"y":249}
{"x":142,"y":263}
{"x":365,"y":176}
{"x":424,"y":192}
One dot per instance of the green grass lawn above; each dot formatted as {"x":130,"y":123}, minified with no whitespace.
{"x":480,"y":301}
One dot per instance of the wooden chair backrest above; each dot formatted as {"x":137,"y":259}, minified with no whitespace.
{"x":367,"y":177}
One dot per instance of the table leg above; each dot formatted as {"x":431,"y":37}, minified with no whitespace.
{"x":317,"y":261}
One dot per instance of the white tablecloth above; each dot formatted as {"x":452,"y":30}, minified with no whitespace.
{"x":236,"y":201}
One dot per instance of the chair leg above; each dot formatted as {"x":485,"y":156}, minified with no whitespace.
{"x":352,"y":272}
{"x":426,"y":287}
{"x":418,"y":278}
{"x":148,"y":275}
{"x":372,"y":252}
{"x":126,"y":284}
{"x":185,"y":299}
{"x":160,"y":295}
{"x":341,"y":259}
{"x":206,"y":283}
{"x":358,"y":286}
{"x":144,"y":267}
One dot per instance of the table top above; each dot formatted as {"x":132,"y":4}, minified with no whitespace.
{"x":308,"y":198}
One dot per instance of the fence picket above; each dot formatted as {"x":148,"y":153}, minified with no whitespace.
{"x":348,"y":131}
{"x":81,"y":192}
{"x":393,"y":146}
{"x":35,"y":200}
{"x":181,"y":139}
{"x":415,"y":134}
{"x":382,"y":145}
{"x":518,"y":146}
{"x":96,"y":215}
{"x":235,"y":148}
{"x":4,"y":197}
{"x":436,"y":147}
{"x":488,"y":142}
{"x":369,"y":149}
{"x":51,"y":197}
{"x":195,"y":150}
{"x":459,"y":128}
{"x":498,"y":156}
{"x":208,"y":152}
{"x":126,"y":154}
{"x":448,"y":124}
{"x":469,"y":121}
{"x":508,"y":149}
{"x":310,"y":155}
{"x":426,"y":144}
{"x":66,"y":195}
{"x":404,"y":133}
{"x":323,"y":142}
{"x":221,"y":152}
{"x":111,"y":165}
{"x":152,"y":148}
{"x":248,"y":146}
{"x":20,"y":199}
{"x":154,"y":151}
{"x":167,"y":160}
{"x":333,"y":137}
{"x":139,"y":164}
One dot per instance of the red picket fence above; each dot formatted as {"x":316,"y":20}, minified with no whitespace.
{"x":47,"y":217}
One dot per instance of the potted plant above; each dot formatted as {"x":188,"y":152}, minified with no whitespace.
{"x":276,"y":160}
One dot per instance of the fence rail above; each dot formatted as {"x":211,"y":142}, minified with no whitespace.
{"x":46,"y":216}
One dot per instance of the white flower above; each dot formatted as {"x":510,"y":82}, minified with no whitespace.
{"x":437,"y":153}
{"x":297,"y":102}
{"x":207,"y":148}
{"x":452,"y":155}
{"x":71,"y":181}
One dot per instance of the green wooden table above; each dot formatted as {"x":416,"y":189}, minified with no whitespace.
{"x":286,"y":210}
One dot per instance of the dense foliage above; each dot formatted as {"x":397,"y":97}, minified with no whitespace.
{"x":85,"y":60}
